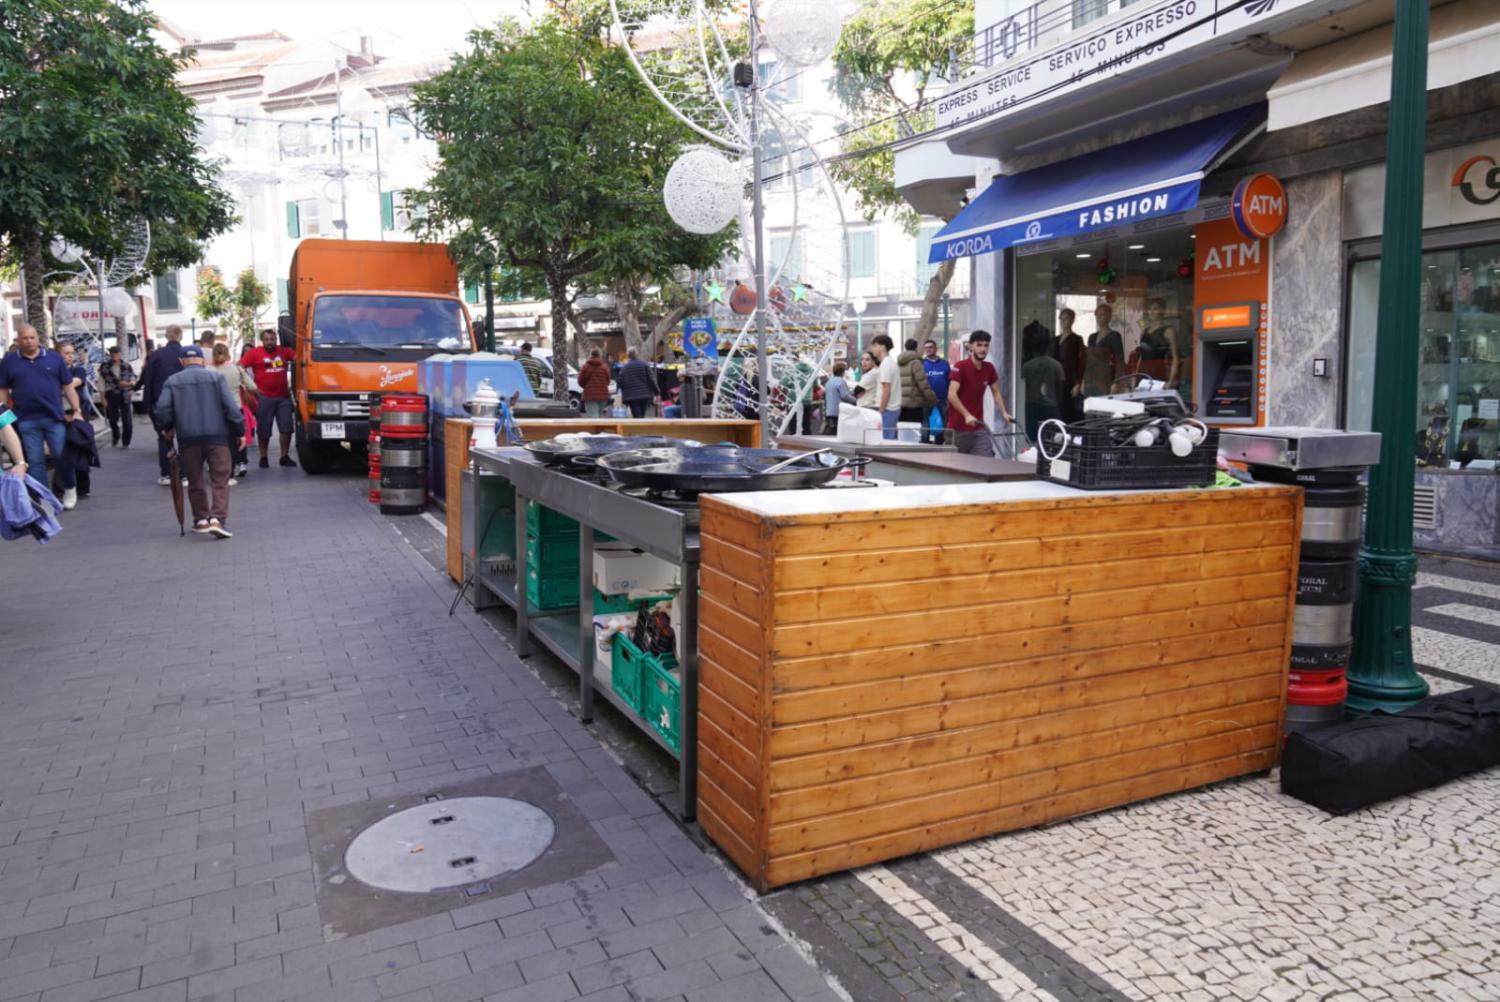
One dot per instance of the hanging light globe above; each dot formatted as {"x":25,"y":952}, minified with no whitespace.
{"x":802,"y":32}
{"x":65,"y":252}
{"x":703,"y":191}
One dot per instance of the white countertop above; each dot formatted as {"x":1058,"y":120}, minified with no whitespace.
{"x":857,"y":499}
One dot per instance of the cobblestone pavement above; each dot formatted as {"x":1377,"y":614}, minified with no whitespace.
{"x":183,"y":721}
{"x":1229,"y":892}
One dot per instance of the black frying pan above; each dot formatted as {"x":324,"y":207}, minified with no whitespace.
{"x":560,"y":452}
{"x":711,"y":470}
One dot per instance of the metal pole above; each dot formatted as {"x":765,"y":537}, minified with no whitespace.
{"x":1381,"y":676}
{"x":99,"y":283}
{"x":338,"y":137}
{"x":757,"y":215}
{"x":489,"y":305}
{"x":945,"y":326}
{"x":379,"y":185}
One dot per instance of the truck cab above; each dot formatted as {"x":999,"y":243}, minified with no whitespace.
{"x":365,"y":313}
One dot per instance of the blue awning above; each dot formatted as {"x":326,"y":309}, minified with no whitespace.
{"x":1156,"y":175}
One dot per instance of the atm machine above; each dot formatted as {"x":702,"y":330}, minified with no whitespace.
{"x":1227,"y":363}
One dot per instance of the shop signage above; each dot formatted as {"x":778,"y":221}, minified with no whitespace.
{"x":1162,"y":32}
{"x":1236,"y":317}
{"x":1461,"y":185}
{"x":1259,"y":206}
{"x":700,"y":339}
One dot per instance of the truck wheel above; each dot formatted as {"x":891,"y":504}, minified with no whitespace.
{"x":315,"y":457}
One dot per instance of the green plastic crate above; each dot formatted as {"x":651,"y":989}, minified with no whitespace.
{"x":551,"y":593}
{"x":627,"y":668}
{"x":543,"y":521}
{"x":553,"y":557}
{"x":605,"y":604}
{"x":663,"y":698}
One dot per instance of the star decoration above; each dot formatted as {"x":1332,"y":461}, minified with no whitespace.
{"x":715,"y":291}
{"x":799,"y":293}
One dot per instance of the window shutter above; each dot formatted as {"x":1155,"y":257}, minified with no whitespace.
{"x":387,"y":210}
{"x":471,"y":294}
{"x":293,"y":220}
{"x":283,"y":297}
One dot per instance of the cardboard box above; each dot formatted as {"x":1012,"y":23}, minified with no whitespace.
{"x":618,"y":571}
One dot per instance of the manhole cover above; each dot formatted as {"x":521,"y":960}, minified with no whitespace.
{"x":448,"y":843}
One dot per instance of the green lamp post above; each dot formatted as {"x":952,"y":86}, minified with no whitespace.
{"x":1381,"y":675}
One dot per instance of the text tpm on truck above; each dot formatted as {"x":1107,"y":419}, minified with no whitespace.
{"x":365,"y":313}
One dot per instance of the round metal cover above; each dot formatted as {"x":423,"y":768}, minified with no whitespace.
{"x":449,"y":843}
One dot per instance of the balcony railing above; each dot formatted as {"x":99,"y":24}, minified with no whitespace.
{"x":1034,"y":27}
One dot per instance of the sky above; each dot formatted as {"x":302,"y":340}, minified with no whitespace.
{"x":399,"y":28}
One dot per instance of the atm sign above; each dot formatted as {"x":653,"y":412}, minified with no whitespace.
{"x":1259,"y":206}
{"x":1239,"y":317}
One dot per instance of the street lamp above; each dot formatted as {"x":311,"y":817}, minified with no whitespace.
{"x":859,"y":306}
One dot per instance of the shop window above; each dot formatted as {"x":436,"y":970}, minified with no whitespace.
{"x":1107,"y":313}
{"x":1458,"y":355}
{"x":1086,"y":11}
{"x":302,"y":218}
{"x":862,"y":254}
{"x":167,"y":298}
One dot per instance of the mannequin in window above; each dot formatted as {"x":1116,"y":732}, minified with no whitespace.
{"x":1070,"y":351}
{"x":1156,"y":355}
{"x":1104,"y":358}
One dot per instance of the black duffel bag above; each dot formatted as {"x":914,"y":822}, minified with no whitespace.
{"x":1343,"y":767}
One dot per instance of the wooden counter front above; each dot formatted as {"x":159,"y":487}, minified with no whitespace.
{"x":456,"y":453}
{"x":879,"y":683}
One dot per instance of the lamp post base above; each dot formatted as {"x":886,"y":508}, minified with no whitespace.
{"x":1382,"y":675}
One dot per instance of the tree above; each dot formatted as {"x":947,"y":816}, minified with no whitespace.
{"x":93,"y":134}
{"x":236,"y":306}
{"x":551,"y":151}
{"x":889,"y":54}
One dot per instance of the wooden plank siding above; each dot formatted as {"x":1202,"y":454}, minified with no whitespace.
{"x":881,"y":683}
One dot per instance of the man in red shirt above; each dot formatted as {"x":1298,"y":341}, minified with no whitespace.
{"x":966,"y":385}
{"x":271,"y":364}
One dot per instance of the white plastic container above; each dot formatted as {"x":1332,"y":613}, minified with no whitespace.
{"x":908,"y":431}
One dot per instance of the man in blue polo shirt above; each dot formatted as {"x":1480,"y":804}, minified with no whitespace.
{"x":35,"y":382}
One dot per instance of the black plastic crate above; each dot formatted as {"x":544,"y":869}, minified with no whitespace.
{"x":1094,"y":460}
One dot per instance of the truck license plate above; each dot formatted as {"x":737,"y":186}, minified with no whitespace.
{"x":333,"y":430}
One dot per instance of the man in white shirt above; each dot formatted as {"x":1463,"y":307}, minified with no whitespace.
{"x":888,"y":389}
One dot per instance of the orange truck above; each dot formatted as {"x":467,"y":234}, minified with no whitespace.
{"x":365,"y":313}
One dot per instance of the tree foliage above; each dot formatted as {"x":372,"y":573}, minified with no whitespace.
{"x":890,"y":54}
{"x":552,"y":151}
{"x":236,"y":307}
{"x":93,"y":134}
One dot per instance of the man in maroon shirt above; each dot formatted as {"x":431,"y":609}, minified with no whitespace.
{"x":966,"y":386}
{"x":271,"y":364}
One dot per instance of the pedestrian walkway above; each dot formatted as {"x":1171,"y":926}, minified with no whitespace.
{"x":192,"y":730}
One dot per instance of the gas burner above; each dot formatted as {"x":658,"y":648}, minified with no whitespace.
{"x":676,"y":500}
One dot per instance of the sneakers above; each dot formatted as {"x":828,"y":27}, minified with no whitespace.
{"x":164,"y":481}
{"x":202,"y":525}
{"x":184,"y":481}
{"x":233,"y":481}
{"x":240,"y":470}
{"x":265,"y":463}
{"x":288,"y":461}
{"x":217,"y":530}
{"x":70,"y":499}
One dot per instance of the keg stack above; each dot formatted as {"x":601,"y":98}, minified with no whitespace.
{"x":403,"y":453}
{"x":1328,"y":570}
{"x":373,"y":448}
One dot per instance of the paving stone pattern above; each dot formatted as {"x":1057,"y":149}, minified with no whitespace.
{"x":175,"y":708}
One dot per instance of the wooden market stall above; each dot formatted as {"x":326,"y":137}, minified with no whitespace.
{"x":885,"y":672}
{"x":456,"y":453}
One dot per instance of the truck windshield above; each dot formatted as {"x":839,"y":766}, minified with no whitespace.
{"x":383,"y":322}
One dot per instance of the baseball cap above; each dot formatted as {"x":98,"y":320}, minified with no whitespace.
{"x":192,"y":351}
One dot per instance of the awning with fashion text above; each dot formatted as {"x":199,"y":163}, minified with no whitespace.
{"x":1156,"y":175}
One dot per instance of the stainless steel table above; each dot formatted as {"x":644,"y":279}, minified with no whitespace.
{"x":668,"y":533}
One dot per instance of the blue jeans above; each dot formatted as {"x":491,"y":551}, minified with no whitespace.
{"x":37,"y":432}
{"x":888,"y":421}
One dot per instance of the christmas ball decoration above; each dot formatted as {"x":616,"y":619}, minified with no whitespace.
{"x":1106,"y":273}
{"x":803,"y":32}
{"x":777,"y":296}
{"x":742,"y":299}
{"x":65,"y":252}
{"x":703,"y":191}
{"x":1185,"y":268}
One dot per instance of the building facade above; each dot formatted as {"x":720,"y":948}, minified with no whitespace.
{"x":1195,"y":189}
